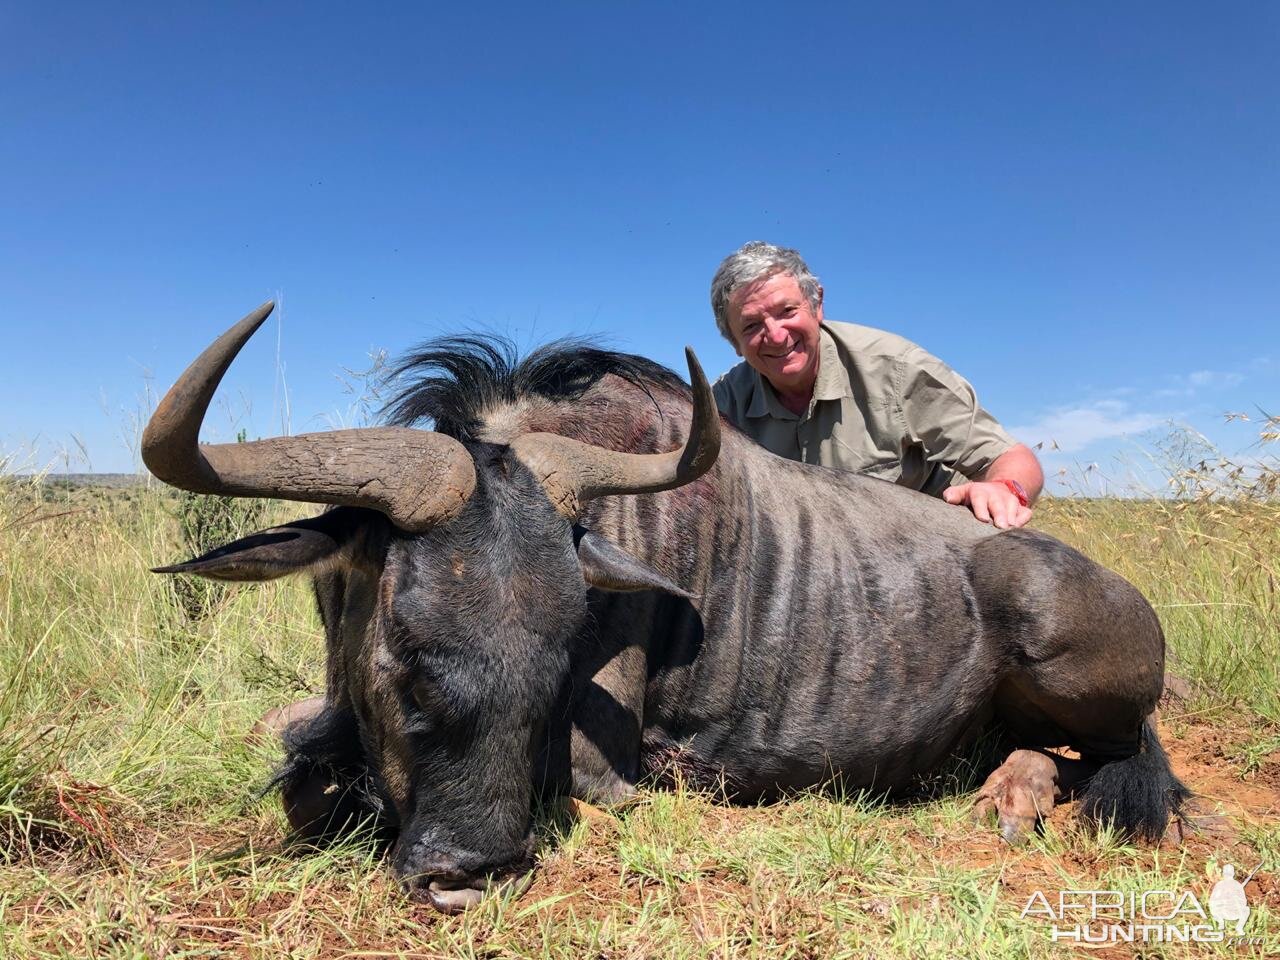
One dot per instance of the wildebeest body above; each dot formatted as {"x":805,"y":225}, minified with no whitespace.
{"x":847,"y":626}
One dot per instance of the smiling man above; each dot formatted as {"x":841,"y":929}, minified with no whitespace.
{"x":856,"y":398}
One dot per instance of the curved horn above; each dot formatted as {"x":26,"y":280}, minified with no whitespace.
{"x":573,"y":472}
{"x":416,"y":477}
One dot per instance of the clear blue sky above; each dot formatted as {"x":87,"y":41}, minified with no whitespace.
{"x":1076,"y":205}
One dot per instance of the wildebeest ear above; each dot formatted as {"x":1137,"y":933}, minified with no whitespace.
{"x":275,"y":552}
{"x":607,"y":567}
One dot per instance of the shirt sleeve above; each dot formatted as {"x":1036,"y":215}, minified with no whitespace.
{"x":942,"y":414}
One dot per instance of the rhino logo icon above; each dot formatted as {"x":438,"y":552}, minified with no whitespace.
{"x":1227,"y":902}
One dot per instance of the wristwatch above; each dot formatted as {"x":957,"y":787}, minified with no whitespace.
{"x":1016,"y":489}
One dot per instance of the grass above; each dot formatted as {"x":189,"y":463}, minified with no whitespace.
{"x":129,"y":825}
{"x":1210,"y":568}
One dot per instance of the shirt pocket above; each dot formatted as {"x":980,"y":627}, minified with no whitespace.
{"x":871,"y":463}
{"x":889,"y":470}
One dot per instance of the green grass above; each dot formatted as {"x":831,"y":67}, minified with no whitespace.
{"x":129,"y":825}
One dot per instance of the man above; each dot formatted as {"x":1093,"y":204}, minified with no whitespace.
{"x":856,"y":398}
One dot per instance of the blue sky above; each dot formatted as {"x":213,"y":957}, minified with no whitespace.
{"x":1077,"y":206}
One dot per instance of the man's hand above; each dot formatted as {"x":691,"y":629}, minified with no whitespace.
{"x":990,"y":502}
{"x":991,"y":499}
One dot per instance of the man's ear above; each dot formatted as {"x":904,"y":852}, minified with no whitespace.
{"x":607,"y":567}
{"x":276,"y":552}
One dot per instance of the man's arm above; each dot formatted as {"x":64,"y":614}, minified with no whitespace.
{"x":943,"y":413}
{"x":991,"y":499}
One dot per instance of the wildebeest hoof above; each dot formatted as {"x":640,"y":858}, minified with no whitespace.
{"x":1176,"y":689}
{"x":1018,"y":794}
{"x":581,"y":810}
{"x":603,"y":789}
{"x":273,"y":723}
{"x":1198,"y":818}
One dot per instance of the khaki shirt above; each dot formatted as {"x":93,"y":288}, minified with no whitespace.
{"x":881,"y":406}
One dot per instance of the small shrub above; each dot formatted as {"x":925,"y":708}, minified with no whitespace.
{"x":206,"y":522}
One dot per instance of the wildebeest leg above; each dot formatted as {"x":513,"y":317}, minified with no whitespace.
{"x":310,"y":795}
{"x":324,"y":781}
{"x":319,"y":804}
{"x":1085,"y":668}
{"x":274,"y":723}
{"x":1024,"y":789}
{"x":605,"y":740}
{"x":608,"y":700}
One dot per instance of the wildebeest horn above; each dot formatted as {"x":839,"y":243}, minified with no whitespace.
{"x":573,"y":472}
{"x":416,"y":477}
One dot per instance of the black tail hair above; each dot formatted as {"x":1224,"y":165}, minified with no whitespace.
{"x":1136,"y":795}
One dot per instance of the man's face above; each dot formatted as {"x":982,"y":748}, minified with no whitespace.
{"x":776,"y":331}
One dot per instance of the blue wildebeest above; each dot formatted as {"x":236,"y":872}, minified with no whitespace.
{"x":504,"y":617}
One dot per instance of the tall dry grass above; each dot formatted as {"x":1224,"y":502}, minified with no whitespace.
{"x":1207,"y":556}
{"x":111,"y":695}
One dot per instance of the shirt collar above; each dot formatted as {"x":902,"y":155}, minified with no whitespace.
{"x":833,"y":377}
{"x":832,"y":383}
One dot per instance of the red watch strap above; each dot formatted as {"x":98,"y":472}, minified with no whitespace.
{"x":1016,"y":489}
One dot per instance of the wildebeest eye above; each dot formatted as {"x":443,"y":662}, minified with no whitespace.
{"x":441,"y":700}
{"x":439,"y":704}
{"x":427,"y":696}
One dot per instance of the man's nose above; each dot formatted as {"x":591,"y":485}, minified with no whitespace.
{"x":774,"y":332}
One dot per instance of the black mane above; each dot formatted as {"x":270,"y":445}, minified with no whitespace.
{"x":451,"y":381}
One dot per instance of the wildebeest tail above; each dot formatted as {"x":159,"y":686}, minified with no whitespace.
{"x":1136,"y":795}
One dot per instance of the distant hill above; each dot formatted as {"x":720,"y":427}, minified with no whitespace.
{"x":111,"y":480}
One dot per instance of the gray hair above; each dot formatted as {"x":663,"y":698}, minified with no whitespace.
{"x":751,"y":263}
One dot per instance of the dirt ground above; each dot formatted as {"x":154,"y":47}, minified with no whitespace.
{"x":1204,"y":755}
{"x":1208,"y":752}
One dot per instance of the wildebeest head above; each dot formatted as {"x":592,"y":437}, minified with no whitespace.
{"x":451,"y":579}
